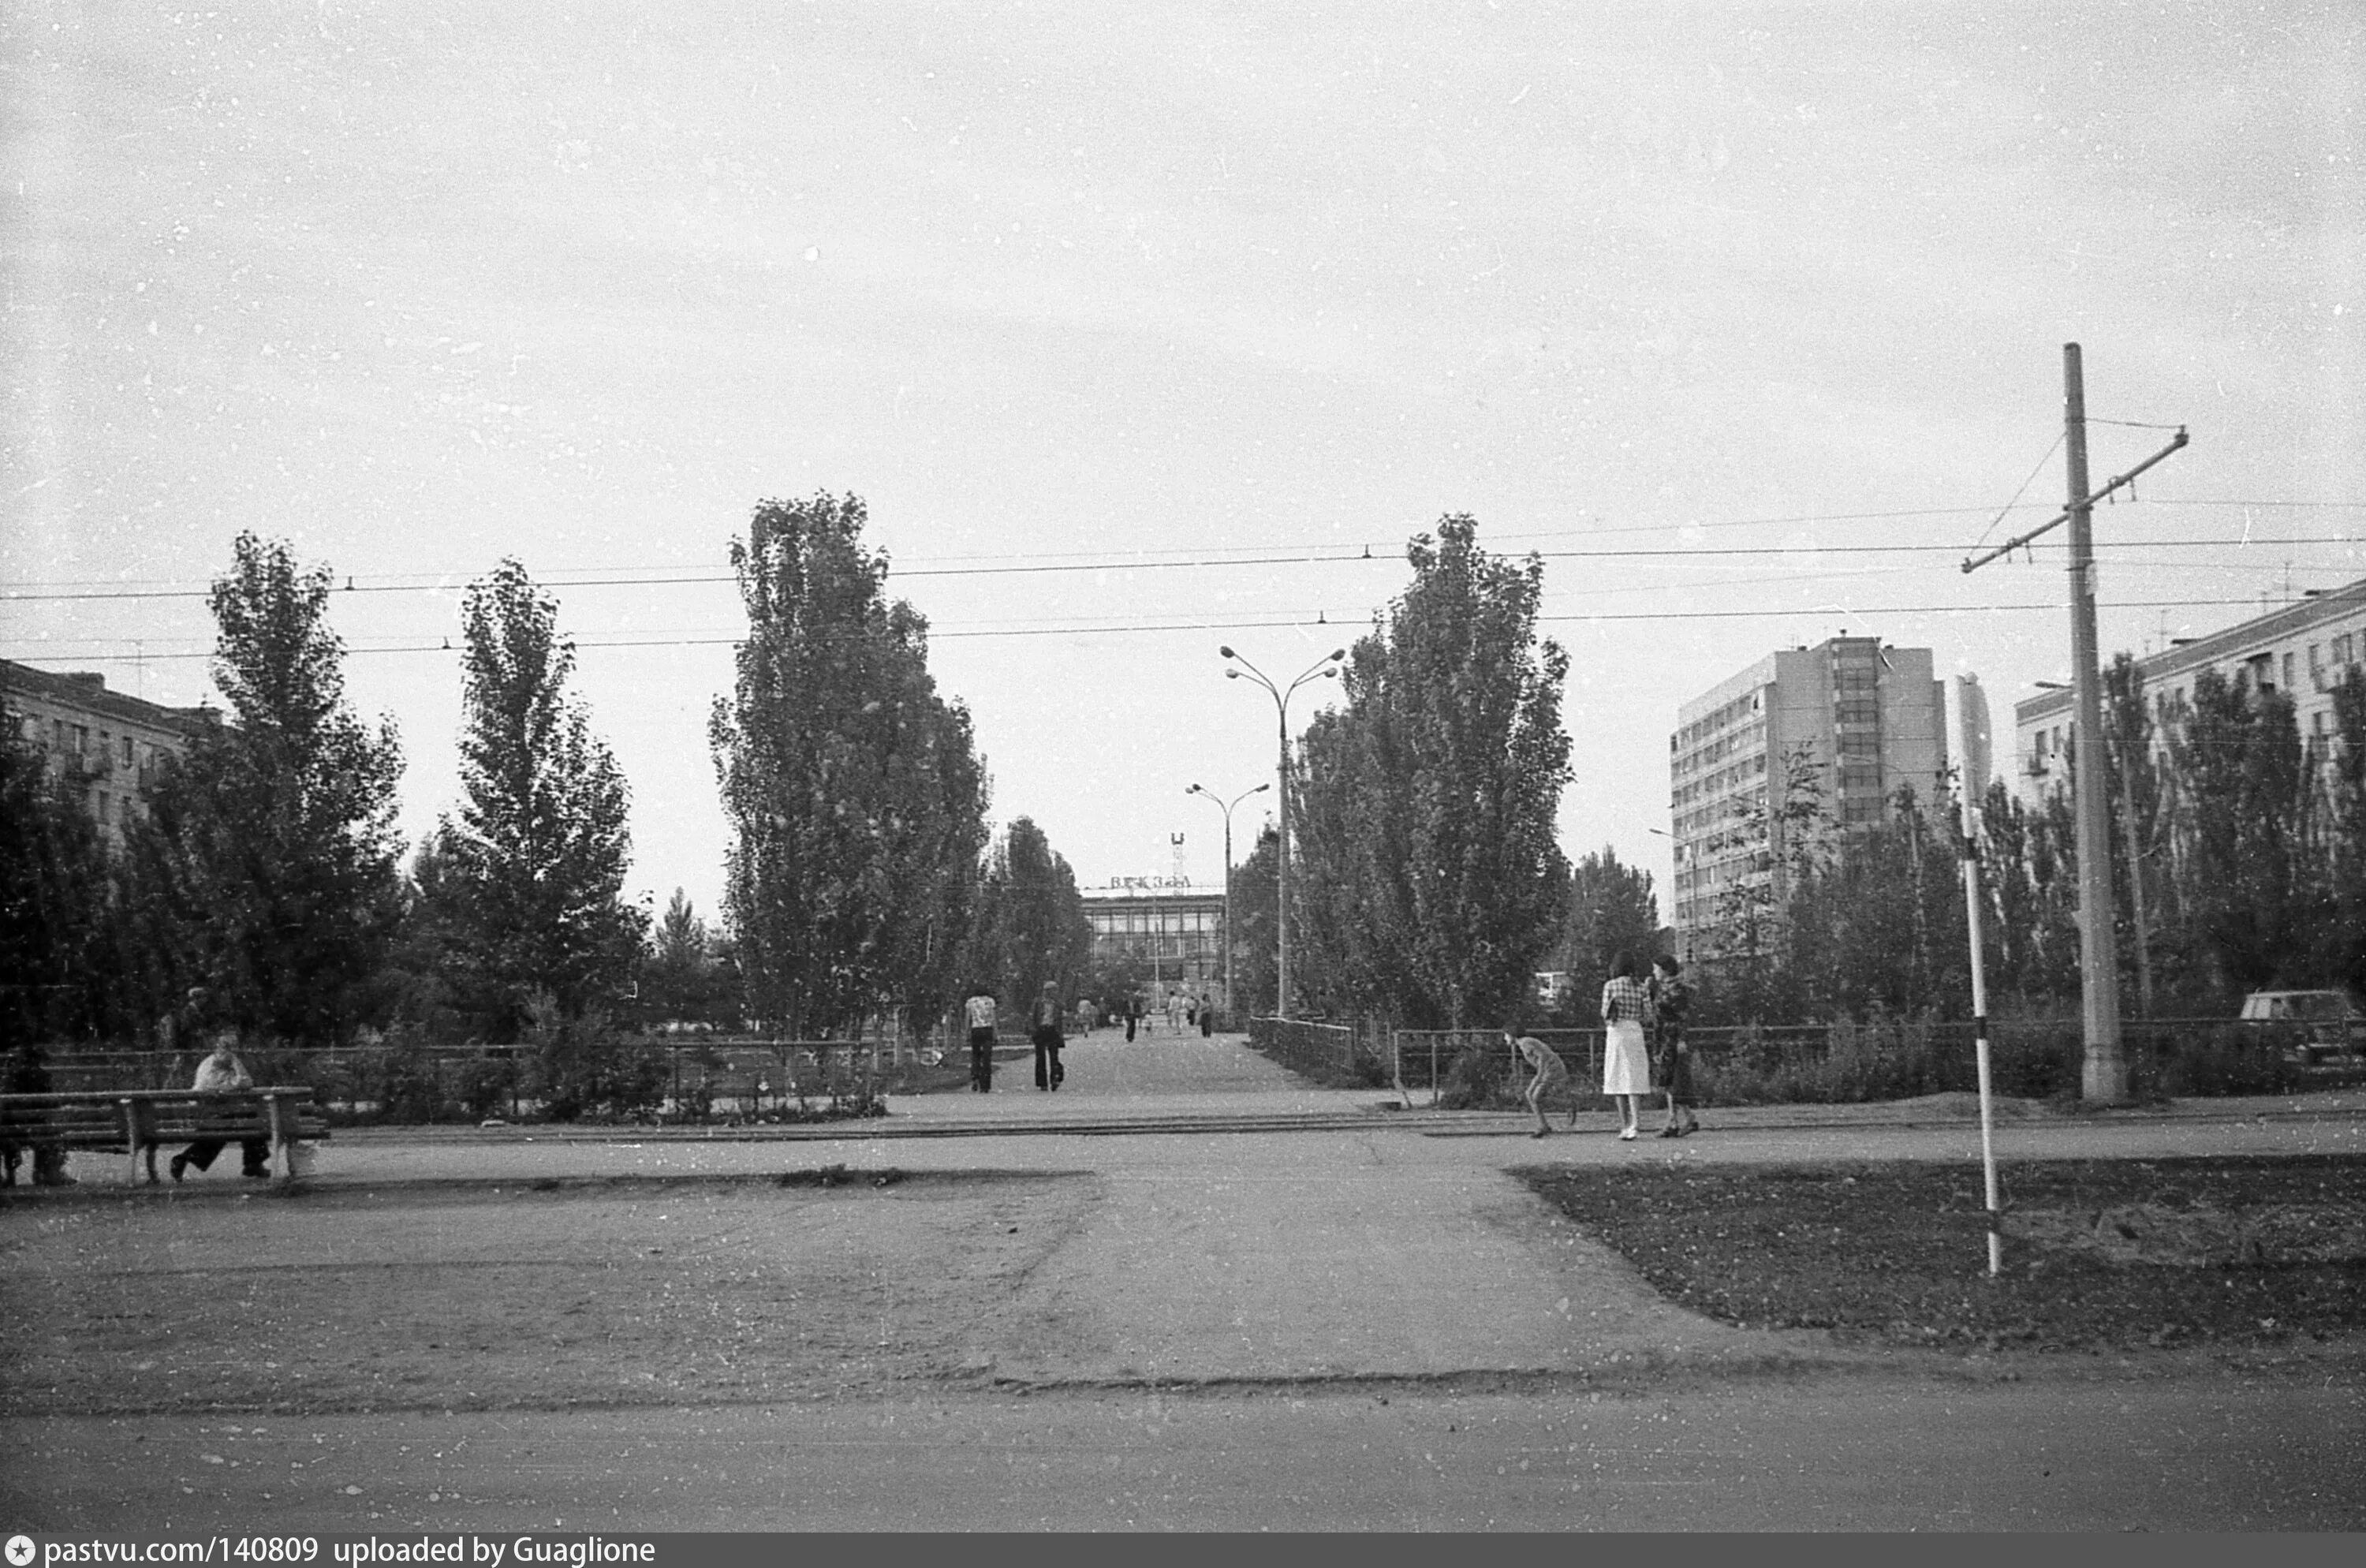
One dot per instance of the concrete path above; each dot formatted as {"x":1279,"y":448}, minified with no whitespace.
{"x":1248,"y":1227}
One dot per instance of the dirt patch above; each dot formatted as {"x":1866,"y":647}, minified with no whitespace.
{"x":2099,"y":1253}
{"x":534,"y":1295}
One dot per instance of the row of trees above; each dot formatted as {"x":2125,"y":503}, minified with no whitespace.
{"x":2238,"y":853}
{"x":264,"y":889}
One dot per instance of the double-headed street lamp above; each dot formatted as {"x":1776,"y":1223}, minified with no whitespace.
{"x":1323,"y":668}
{"x":1226,"y":807}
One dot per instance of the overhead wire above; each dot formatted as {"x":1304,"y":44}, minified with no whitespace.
{"x":51,"y":594}
{"x":1162,"y":627}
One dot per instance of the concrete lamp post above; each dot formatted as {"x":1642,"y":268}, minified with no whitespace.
{"x":1324,"y":669}
{"x":1226,"y":807}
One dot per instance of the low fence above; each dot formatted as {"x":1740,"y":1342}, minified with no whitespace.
{"x":1320,"y":1051}
{"x":1851,"y":1062}
{"x":715,"y":1080}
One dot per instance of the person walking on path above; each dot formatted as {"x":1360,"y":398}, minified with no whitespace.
{"x":1132,"y":1014}
{"x":1047,"y":1038}
{"x":1626,"y":1068}
{"x":1207,"y":1017}
{"x":221,"y":1069}
{"x":1552,"y":1076}
{"x":1672,"y":1057}
{"x":979,"y":1011}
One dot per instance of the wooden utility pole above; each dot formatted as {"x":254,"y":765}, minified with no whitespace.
{"x":2104,"y":1078}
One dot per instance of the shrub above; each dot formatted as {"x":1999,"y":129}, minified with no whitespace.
{"x":1476,"y":1079}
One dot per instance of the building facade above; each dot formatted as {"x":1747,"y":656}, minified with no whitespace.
{"x":1174,"y":930}
{"x":2302,"y":649}
{"x":1861,"y":718}
{"x":109,"y":748}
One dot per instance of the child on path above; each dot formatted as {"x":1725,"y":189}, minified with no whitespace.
{"x":1552,"y":1076}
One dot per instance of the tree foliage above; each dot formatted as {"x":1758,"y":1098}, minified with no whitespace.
{"x":57,"y":909}
{"x":530,"y":874}
{"x":276,"y":840}
{"x":1612,"y":910}
{"x":1426,"y":807}
{"x":854,"y":794}
{"x":1029,"y":925}
{"x":2249,"y":800}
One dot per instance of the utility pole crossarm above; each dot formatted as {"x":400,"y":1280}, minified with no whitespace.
{"x":1973,"y":563}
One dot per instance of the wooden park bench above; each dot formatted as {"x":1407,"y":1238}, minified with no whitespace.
{"x":133,"y":1121}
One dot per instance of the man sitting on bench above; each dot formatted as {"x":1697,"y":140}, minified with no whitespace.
{"x":222,"y":1069}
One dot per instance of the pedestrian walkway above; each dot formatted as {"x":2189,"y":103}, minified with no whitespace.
{"x":1250,"y":1227}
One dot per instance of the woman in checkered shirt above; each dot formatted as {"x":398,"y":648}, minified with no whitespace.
{"x":1625,"y":1065}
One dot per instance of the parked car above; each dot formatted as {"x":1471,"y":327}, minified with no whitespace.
{"x":2321,"y":1023}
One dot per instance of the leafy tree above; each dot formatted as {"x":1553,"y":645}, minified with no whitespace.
{"x":277,"y":831}
{"x":531,"y":869}
{"x":2342,"y":957}
{"x":854,"y":792}
{"x":1030,"y":921}
{"x":1612,"y":910}
{"x":1786,"y":838}
{"x":2133,"y":789}
{"x":1433,"y":880}
{"x":2248,"y":800}
{"x":56,"y":909}
{"x":1256,"y":974}
{"x":2031,"y":920}
{"x":682,"y":977}
{"x":1877,"y":925}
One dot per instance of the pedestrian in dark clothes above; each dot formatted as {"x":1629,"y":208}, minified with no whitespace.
{"x":1048,"y":1039}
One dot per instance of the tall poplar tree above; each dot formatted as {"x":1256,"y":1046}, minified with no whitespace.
{"x":1426,"y":808}
{"x":1031,"y":925}
{"x":533,"y":867}
{"x":854,"y":792}
{"x":277,"y":830}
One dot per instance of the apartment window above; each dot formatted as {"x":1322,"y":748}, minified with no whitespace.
{"x":2288,"y":672}
{"x":81,"y":739}
{"x":2343,"y":647}
{"x":104,"y":801}
{"x":126,"y":751}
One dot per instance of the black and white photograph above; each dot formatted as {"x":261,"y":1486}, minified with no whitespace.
{"x":1015,"y":766}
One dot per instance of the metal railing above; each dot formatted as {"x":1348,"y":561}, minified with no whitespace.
{"x":1319,"y":1049}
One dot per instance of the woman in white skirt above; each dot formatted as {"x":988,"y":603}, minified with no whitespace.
{"x":1626,"y":1064}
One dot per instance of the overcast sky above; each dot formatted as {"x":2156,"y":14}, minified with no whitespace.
{"x":1136,"y":326}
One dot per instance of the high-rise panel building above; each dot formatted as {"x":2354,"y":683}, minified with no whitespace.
{"x":1859,"y":718}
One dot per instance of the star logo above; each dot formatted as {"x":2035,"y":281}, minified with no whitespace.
{"x":20,"y":1551}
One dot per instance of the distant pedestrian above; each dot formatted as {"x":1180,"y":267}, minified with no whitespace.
{"x":1132,"y":1014}
{"x":1625,"y":1065}
{"x":221,"y":1069}
{"x":1672,"y":1055}
{"x":1207,"y":1017}
{"x":1552,"y":1076}
{"x":1047,"y":1038}
{"x":979,"y":1011}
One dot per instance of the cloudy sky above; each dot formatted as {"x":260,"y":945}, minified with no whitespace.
{"x":1137,"y":327}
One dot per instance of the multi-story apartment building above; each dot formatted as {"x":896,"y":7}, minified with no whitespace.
{"x":1862,"y":719}
{"x":108,"y":747}
{"x":2301,"y":648}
